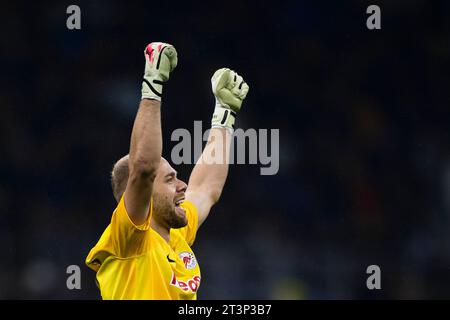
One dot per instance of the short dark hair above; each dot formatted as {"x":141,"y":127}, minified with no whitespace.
{"x":119,"y":177}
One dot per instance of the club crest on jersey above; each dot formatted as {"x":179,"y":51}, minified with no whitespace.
{"x":188,"y":259}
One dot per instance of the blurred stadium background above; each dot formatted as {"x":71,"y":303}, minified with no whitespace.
{"x":364,"y":142}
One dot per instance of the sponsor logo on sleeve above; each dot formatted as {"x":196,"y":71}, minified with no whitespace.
{"x":189,"y":285}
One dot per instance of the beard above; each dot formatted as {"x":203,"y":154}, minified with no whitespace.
{"x":167,"y":214}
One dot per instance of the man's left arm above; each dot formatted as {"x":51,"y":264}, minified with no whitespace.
{"x":210,"y":172}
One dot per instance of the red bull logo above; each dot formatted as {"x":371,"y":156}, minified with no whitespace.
{"x":189,"y":260}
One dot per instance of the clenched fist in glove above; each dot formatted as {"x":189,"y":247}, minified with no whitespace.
{"x":230,"y":90}
{"x":160,"y":60}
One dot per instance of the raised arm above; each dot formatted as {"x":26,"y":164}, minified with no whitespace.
{"x":210,"y":172}
{"x":146,"y":139}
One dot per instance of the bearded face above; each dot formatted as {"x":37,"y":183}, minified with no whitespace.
{"x":168,"y":194}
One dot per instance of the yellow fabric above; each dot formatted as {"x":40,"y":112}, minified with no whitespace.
{"x":132,"y":262}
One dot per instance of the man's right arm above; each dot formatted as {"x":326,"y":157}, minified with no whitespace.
{"x":146,"y":137}
{"x":145,"y":155}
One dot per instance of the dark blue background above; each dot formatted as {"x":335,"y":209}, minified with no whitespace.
{"x":364,"y":142}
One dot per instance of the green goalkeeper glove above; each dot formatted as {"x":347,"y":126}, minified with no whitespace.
{"x":160,"y":60}
{"x":230,"y":90}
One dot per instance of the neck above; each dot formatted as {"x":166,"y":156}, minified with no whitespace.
{"x":164,"y":232}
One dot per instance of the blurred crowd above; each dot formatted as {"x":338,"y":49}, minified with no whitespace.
{"x":364,"y":124}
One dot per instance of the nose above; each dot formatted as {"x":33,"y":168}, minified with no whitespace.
{"x":181,"y":186}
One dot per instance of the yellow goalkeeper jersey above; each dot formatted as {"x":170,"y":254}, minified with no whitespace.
{"x":135,"y":262}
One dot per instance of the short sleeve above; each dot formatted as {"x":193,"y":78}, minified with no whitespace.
{"x":189,"y":232}
{"x":128,"y":239}
{"x":122,"y":238}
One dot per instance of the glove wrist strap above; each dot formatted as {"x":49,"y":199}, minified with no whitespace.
{"x":223,"y":117}
{"x":151,"y":89}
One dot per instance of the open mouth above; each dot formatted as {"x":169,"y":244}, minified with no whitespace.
{"x":179,"y":201}
{"x":179,"y":210}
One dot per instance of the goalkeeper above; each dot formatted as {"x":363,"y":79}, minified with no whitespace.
{"x":145,"y":251}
